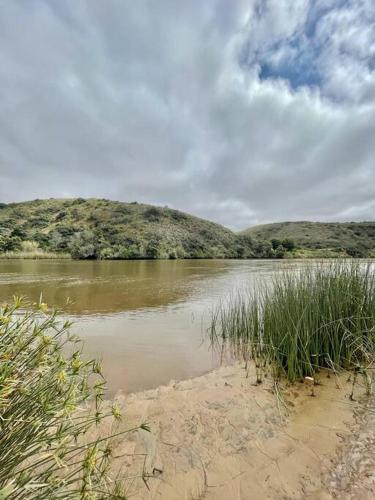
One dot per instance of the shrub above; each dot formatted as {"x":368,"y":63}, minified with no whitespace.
{"x":18,"y":232}
{"x":288,"y":244}
{"x":179,"y":216}
{"x":356,"y":252}
{"x":79,"y":201}
{"x":264,"y":250}
{"x":276,"y":243}
{"x":153,"y":214}
{"x":152,"y":250}
{"x":9,"y":243}
{"x":83,"y":245}
{"x":109,"y":253}
{"x":38,"y":222}
{"x":65,"y":231}
{"x":61,"y":215}
{"x":173,"y":254}
{"x":43,"y":414}
{"x":42,"y":239}
{"x":280,"y":252}
{"x":244,"y":246}
{"x":131,"y":251}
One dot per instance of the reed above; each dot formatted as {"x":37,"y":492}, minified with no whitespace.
{"x":34,"y":255}
{"x":50,"y":403}
{"x":319,"y":317}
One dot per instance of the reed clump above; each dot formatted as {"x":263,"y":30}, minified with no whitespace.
{"x":31,"y":250}
{"x":320,"y":317}
{"x":50,"y":405}
{"x":35,"y":255}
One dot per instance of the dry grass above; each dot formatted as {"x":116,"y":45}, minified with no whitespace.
{"x":34,"y":255}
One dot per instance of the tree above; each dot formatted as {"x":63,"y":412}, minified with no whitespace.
{"x":288,"y":244}
{"x":152,"y":250}
{"x":280,"y":252}
{"x":244,"y":246}
{"x":264,"y":250}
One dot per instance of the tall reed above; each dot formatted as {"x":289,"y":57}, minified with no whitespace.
{"x":45,"y":388}
{"x":319,"y":317}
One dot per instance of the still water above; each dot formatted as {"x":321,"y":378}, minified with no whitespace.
{"x":146,"y":319}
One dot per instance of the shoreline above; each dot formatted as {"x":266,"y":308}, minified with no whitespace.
{"x":61,"y":256}
{"x":219,"y":436}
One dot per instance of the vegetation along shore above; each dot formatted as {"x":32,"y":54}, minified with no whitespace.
{"x":103,"y":229}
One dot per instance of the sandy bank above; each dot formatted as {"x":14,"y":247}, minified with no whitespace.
{"x":220,"y":437}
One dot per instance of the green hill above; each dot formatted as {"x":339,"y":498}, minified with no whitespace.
{"x":98,"y":228}
{"x":355,"y":239}
{"x":103,"y":229}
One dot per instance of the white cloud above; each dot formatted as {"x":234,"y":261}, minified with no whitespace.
{"x":154,"y":102}
{"x":346,"y":36}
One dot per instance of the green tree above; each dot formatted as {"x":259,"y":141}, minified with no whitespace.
{"x":275,"y":243}
{"x":289,"y":244}
{"x":264,"y":250}
{"x":280,"y":252}
{"x":152,"y":250}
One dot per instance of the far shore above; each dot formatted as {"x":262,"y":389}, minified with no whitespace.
{"x":64,"y":256}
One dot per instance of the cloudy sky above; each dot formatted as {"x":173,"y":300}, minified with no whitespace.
{"x":239,"y":111}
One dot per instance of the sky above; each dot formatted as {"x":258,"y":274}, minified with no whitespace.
{"x":242,"y":112}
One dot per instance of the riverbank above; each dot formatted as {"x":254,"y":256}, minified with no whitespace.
{"x":298,"y":255}
{"x":219,"y":436}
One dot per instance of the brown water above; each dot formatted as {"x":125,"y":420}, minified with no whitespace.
{"x":146,"y":319}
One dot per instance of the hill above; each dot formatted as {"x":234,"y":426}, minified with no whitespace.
{"x":356,"y":239}
{"x":99,"y":228}
{"x":104,"y":229}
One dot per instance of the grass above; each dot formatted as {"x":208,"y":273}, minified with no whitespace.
{"x":31,"y":250}
{"x":50,"y":403}
{"x":319,"y":317}
{"x":35,"y":255}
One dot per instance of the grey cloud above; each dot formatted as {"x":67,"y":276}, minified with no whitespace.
{"x":149,"y":101}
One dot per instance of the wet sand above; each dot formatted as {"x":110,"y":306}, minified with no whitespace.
{"x":221,"y":437}
{"x":353,"y":474}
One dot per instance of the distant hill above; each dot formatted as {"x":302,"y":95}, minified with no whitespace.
{"x":98,"y":228}
{"x":355,"y":239}
{"x":104,"y":229}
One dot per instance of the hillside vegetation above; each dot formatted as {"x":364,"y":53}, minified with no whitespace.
{"x":103,"y":229}
{"x":355,"y":239}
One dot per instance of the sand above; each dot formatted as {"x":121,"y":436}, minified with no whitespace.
{"x":220,"y":436}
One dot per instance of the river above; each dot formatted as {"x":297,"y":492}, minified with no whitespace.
{"x":145,"y":319}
